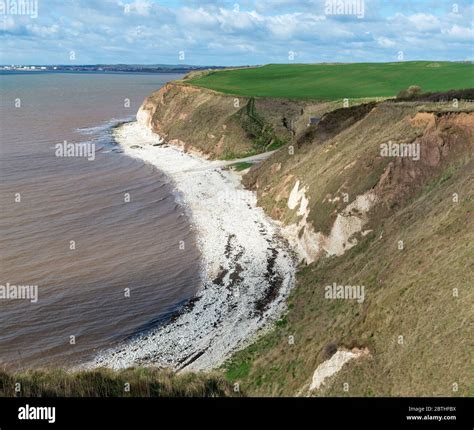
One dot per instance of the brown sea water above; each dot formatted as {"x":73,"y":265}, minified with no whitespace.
{"x":144,"y":246}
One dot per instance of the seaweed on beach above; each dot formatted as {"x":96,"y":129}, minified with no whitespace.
{"x":275,"y":282}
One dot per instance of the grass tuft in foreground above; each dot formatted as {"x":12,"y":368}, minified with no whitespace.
{"x":102,"y":382}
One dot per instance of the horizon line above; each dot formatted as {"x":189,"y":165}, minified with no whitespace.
{"x":219,"y":66}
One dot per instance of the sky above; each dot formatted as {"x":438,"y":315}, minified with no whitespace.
{"x":231,"y":33}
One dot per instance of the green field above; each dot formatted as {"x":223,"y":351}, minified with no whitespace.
{"x":338,"y":81}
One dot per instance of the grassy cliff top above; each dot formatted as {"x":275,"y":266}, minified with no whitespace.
{"x":336,"y":81}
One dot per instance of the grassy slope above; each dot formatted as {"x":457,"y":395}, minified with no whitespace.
{"x":337,"y":81}
{"x":319,"y":166}
{"x":143,"y":382}
{"x":408,"y":293}
{"x":214,"y":124}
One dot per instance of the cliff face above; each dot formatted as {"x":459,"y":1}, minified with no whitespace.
{"x":377,"y":196}
{"x":194,"y":119}
{"x":393,"y":219}
{"x":348,"y":165}
{"x":222,"y":126}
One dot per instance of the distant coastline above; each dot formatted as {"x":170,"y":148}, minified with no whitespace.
{"x":105,"y":68}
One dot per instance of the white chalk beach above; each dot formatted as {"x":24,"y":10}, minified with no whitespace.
{"x":247,"y":266}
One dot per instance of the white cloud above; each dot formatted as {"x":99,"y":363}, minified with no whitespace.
{"x":261,"y":31}
{"x":461,"y":33}
{"x":424,"y":22}
{"x":385,"y":42}
{"x":43,"y":31}
{"x":141,"y":7}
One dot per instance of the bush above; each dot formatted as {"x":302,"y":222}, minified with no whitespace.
{"x":329,"y":350}
{"x":411,"y":92}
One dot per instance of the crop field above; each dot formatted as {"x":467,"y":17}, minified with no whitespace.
{"x":338,"y":81}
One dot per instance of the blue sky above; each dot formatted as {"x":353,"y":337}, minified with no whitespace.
{"x":220,"y":32}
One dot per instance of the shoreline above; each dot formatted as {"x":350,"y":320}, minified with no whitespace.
{"x":247,"y":267}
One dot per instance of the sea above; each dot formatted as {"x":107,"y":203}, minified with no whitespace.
{"x":100,"y":237}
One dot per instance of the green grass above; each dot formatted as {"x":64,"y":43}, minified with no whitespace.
{"x":258,"y":128}
{"x":409,"y":292}
{"x":338,"y":81}
{"x":242,"y":166}
{"x":133,"y":382}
